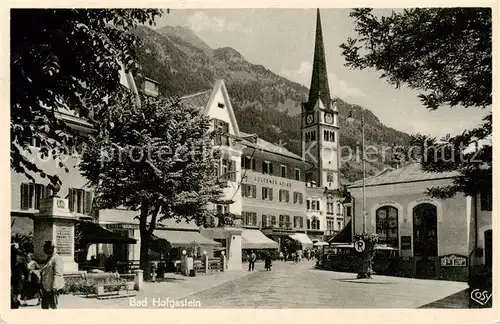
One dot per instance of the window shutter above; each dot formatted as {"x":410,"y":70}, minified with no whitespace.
{"x":264,"y":170}
{"x":253,"y":164}
{"x":263,"y":192}
{"x":254,"y":191}
{"x":270,"y":193}
{"x":25,"y":193}
{"x":270,"y":168}
{"x":301,"y":198}
{"x":71,"y":200}
{"x":87,"y":210}
{"x":233,"y":170}
{"x":273,"y":220}
{"x":280,"y":193}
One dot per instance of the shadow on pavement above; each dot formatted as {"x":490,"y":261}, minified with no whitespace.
{"x":365,"y":281}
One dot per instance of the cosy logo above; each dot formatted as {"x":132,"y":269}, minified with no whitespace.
{"x":480,"y":297}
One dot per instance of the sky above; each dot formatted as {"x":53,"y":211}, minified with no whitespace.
{"x":282,"y":40}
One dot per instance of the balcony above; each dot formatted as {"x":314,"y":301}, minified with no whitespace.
{"x":224,"y":220}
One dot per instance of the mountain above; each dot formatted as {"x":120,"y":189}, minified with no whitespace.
{"x":264,"y":102}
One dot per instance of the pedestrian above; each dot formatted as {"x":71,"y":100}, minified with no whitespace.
{"x":32,"y":286}
{"x":282,"y":256}
{"x":268,"y":262}
{"x":19,"y":274}
{"x":52,"y":276}
{"x":251,"y":262}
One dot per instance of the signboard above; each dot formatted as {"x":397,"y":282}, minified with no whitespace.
{"x":121,"y":226}
{"x":405,"y":242}
{"x":286,"y":184}
{"x":453,"y":260}
{"x":64,"y":242}
{"x":359,"y":246}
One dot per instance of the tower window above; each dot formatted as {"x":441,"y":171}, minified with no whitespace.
{"x":329,"y":177}
{"x":283,"y":171}
{"x":220,"y":105}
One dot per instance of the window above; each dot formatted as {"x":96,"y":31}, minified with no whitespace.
{"x":285,"y":221}
{"x":283,"y":171}
{"x":339,"y":209}
{"x":330,"y":226}
{"x":308,"y":224}
{"x":228,"y":169}
{"x":308,"y":204}
{"x":267,"y":193}
{"x":80,"y":201}
{"x":332,"y":136}
{"x":248,"y":163}
{"x":309,"y":176}
{"x":284,"y":195}
{"x":349,"y":211}
{"x":267,"y":167}
{"x":315,"y":204}
{"x":339,"y":225}
{"x":329,"y":205}
{"x":222,"y":130}
{"x":315,"y":224}
{"x":387,"y":225}
{"x":220,"y":105}
{"x":486,"y":200}
{"x":222,"y":209}
{"x":313,"y":135}
{"x":298,"y":222}
{"x":297,"y":174}
{"x":298,"y":197}
{"x":249,"y":191}
{"x":329,"y":177}
{"x":250,"y":218}
{"x":32,"y":194}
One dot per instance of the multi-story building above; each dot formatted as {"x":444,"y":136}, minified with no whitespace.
{"x":320,"y":147}
{"x":273,"y":190}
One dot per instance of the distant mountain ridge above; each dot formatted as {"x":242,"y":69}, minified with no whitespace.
{"x":265,"y":103}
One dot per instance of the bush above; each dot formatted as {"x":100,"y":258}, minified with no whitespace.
{"x":78,"y":285}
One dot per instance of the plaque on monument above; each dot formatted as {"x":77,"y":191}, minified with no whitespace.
{"x":63,"y":240}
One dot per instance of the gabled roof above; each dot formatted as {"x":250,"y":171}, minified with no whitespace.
{"x":267,"y":146}
{"x":204,"y":100}
{"x":409,"y":173}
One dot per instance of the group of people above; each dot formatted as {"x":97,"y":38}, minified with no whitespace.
{"x":29,"y":280}
{"x":252,"y":258}
{"x":298,"y":255}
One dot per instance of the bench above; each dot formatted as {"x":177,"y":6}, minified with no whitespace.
{"x":113,"y":289}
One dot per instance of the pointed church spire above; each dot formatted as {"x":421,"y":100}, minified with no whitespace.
{"x":319,"y":83}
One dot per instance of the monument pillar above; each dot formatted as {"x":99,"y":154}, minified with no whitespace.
{"x":54,"y":222}
{"x":234,"y":248}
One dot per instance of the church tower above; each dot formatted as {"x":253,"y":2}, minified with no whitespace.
{"x":320,"y":123}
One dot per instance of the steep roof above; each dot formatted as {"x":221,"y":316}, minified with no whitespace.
{"x":409,"y":173}
{"x":319,"y":82}
{"x":198,"y":100}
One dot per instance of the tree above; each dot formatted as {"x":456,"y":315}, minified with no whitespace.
{"x":65,"y":59}
{"x":445,"y":54}
{"x":157,"y":160}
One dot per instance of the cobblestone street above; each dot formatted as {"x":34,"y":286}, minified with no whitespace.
{"x":291,"y":285}
{"x":288,"y":285}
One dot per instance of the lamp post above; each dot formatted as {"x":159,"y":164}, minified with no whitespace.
{"x":350,"y":119}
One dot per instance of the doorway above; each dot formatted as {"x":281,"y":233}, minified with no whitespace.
{"x":425,"y":240}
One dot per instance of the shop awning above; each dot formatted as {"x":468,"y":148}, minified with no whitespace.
{"x":183,"y":238}
{"x":254,"y":239}
{"x":302,"y":238}
{"x":92,"y":233}
{"x":344,"y":236}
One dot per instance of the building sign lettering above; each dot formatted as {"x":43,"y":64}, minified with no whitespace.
{"x":273,"y":181}
{"x":453,"y":261}
{"x":121,"y":226}
{"x":387,"y":202}
{"x":64,"y":240}
{"x":425,"y":200}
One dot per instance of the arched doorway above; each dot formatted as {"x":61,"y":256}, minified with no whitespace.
{"x":425,"y":240}
{"x":386,"y":221}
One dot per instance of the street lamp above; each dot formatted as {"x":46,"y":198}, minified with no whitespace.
{"x":350,"y":120}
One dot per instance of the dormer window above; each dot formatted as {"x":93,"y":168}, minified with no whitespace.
{"x":151,"y":87}
{"x":220,"y":105}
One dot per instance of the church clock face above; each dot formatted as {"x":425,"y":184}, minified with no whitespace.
{"x":329,"y":118}
{"x":309,"y":119}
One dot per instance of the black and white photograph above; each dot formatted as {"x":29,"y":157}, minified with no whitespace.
{"x":239,"y":158}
